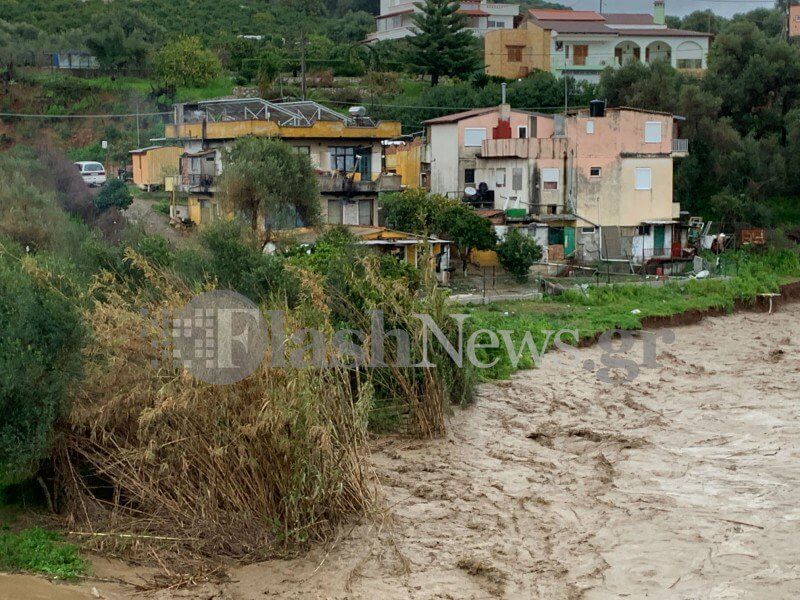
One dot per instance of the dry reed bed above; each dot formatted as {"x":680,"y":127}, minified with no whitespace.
{"x":187,"y":470}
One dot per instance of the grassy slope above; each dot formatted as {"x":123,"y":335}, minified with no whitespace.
{"x":605,"y":308}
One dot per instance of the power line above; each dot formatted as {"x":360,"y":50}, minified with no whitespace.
{"x":108,"y":116}
{"x":432,"y":107}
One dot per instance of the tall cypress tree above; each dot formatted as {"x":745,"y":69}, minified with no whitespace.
{"x":442,"y":45}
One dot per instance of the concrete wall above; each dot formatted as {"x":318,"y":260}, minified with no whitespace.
{"x":794,"y":20}
{"x":535,"y":44}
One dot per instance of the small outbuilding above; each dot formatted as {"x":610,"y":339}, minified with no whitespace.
{"x":153,"y":164}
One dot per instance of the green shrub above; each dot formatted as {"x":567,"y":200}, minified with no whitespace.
{"x":40,"y":551}
{"x":41,"y":334}
{"x":114,"y":193}
{"x":517,"y":253}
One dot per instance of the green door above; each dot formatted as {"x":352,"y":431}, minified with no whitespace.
{"x":658,"y":240}
{"x":569,"y":241}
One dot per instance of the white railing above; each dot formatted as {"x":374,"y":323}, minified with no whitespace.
{"x":680,"y":146}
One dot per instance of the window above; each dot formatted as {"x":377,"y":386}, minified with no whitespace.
{"x":652,"y":132}
{"x":473,"y":137}
{"x":643,"y":178}
{"x":594,"y":171}
{"x":303,"y":149}
{"x":522,"y":132}
{"x":550,"y":179}
{"x":500,"y":178}
{"x":514,"y":53}
{"x":494,"y":24}
{"x":643,"y":230}
{"x":589,"y":126}
{"x":343,"y":158}
{"x":516,"y":179}
{"x":587,"y":230}
{"x":469,"y":176}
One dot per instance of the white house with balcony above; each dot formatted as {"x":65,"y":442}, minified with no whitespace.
{"x":395,"y":19}
{"x":581,"y":43}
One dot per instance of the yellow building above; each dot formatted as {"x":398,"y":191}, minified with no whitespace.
{"x":514,"y":53}
{"x":405,"y":159}
{"x":346,"y":151}
{"x":152,"y":165}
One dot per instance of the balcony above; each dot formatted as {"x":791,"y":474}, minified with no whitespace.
{"x":199,"y":182}
{"x":337,"y":183}
{"x":680,"y":147}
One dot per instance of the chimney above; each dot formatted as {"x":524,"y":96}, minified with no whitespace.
{"x":659,"y":17}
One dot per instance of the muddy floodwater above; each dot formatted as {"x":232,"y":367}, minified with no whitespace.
{"x":682,"y":483}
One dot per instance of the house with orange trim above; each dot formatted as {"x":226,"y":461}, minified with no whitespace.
{"x":395,"y":18}
{"x":581,"y":43}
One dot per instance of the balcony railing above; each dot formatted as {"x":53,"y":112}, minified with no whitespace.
{"x":199,"y":181}
{"x":338,"y":183}
{"x":680,"y":146}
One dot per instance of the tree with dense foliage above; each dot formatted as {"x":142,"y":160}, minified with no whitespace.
{"x":113,"y":194}
{"x":121,"y":38}
{"x":416,"y":211}
{"x":184,"y":62}
{"x":413,"y":210}
{"x":518,"y":253}
{"x":41,"y":335}
{"x":442,"y":44}
{"x":267,"y":179}
{"x":467,"y":229}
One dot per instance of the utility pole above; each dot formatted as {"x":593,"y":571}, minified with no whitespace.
{"x":138,"y":130}
{"x":566,"y":93}
{"x":303,"y":65}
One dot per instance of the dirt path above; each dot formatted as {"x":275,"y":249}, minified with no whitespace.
{"x":141,"y":212}
{"x":680,"y":484}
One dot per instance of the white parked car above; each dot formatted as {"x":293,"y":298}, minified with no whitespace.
{"x":93,"y":173}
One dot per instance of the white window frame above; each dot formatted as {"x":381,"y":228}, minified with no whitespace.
{"x":599,"y":172}
{"x":643,"y":178}
{"x":500,"y":178}
{"x":469,"y":139}
{"x":520,"y":129}
{"x":550,"y":175}
{"x":590,"y":127}
{"x":651,"y":135}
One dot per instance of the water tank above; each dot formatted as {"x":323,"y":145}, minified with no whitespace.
{"x":357,"y":111}
{"x":597,"y":108}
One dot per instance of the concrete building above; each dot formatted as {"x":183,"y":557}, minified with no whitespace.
{"x":593,"y":185}
{"x":345,"y":150}
{"x":395,"y":22}
{"x":794,"y":20}
{"x":581,"y":43}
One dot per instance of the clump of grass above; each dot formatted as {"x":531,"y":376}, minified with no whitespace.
{"x":40,"y":551}
{"x":250,"y":470}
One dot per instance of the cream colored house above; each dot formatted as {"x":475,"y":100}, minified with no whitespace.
{"x":601,"y":182}
{"x":581,"y":43}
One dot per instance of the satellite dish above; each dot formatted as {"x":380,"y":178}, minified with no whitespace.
{"x":470,"y":191}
